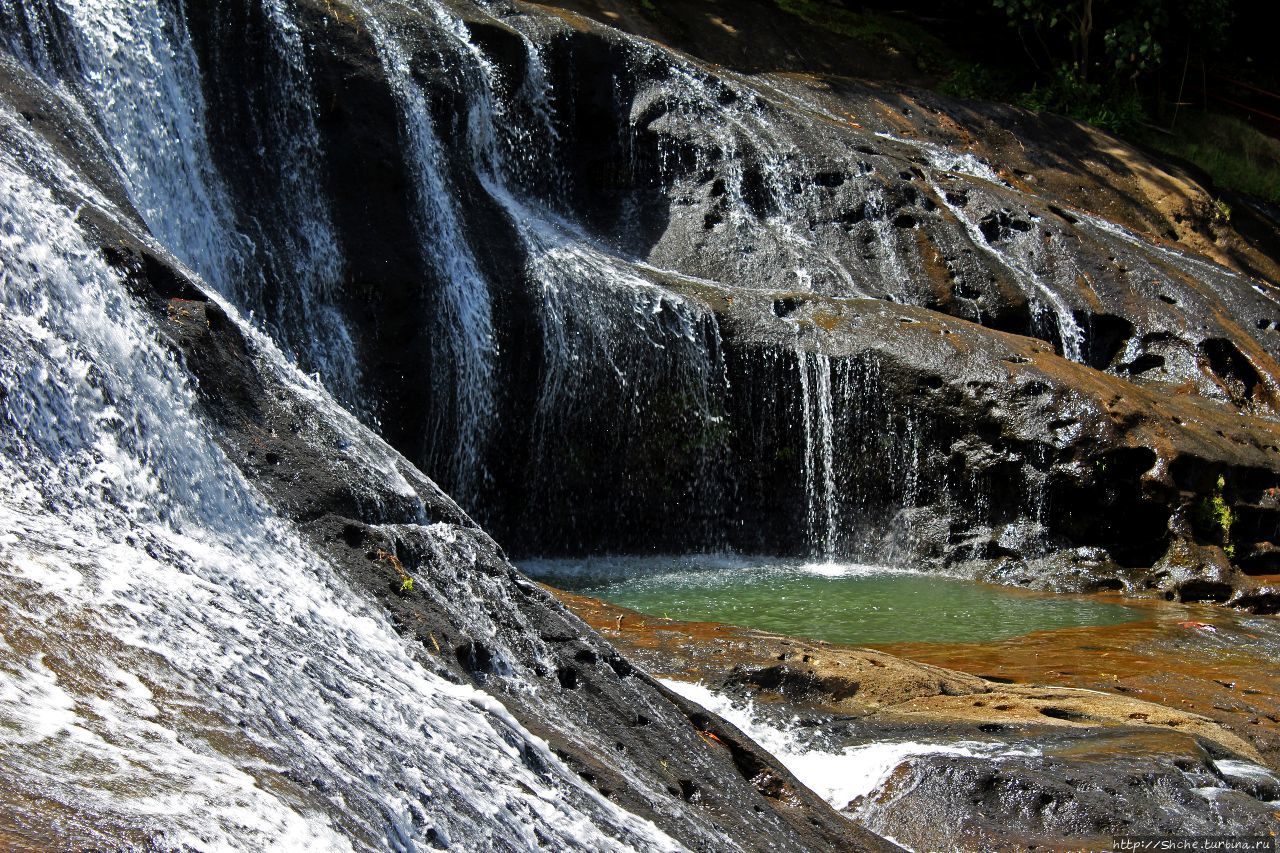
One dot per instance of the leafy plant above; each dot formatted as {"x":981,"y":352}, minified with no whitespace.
{"x":1074,"y":17}
{"x":1116,"y":41}
{"x":1094,"y":60}
{"x":1068,"y":94}
{"x":1213,"y":518}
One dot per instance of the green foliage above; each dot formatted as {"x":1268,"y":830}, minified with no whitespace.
{"x":1047,"y":14}
{"x":1092,"y":57}
{"x":405,"y":585}
{"x":1235,"y":155}
{"x":1133,"y":45}
{"x":1213,"y":519}
{"x":1066,"y":93}
{"x":1143,"y":33}
{"x":976,"y":82}
{"x":1124,"y":38}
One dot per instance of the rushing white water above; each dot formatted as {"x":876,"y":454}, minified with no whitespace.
{"x":1260,"y":782}
{"x":178,"y":666}
{"x":463,"y":343}
{"x":946,"y":160}
{"x":843,"y":776}
{"x":850,"y":777}
{"x":818,"y":418}
{"x":137,"y":76}
{"x":131,"y":67}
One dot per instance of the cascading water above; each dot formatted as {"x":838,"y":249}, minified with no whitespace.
{"x":1021,"y":251}
{"x":688,"y":132}
{"x":747,"y":197}
{"x":464,"y":348}
{"x":180,"y":668}
{"x":593,"y":299}
{"x":296,"y":278}
{"x":132,"y":68}
{"x":894,"y":278}
{"x":185,"y":668}
{"x":715,"y":138}
{"x":602,"y":319}
{"x":136,"y":76}
{"x":816,"y":402}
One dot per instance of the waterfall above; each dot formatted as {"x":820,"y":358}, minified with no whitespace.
{"x":817,"y":415}
{"x":179,"y":668}
{"x":135,"y":74}
{"x":745,"y":159}
{"x":1027,"y":259}
{"x":894,"y":278}
{"x":613,"y":342}
{"x":618,"y":347}
{"x":463,"y":344}
{"x":298,"y":291}
{"x":132,"y":68}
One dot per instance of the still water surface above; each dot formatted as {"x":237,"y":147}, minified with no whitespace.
{"x":838,"y":602}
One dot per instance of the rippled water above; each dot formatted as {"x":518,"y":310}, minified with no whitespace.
{"x":837,"y":602}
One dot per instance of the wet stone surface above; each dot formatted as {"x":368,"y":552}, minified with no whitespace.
{"x":997,"y":743}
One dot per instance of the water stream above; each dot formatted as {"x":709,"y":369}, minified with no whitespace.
{"x":180,"y":666}
{"x":132,"y":70}
{"x":162,"y":628}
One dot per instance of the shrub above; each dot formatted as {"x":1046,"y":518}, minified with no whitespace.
{"x":1213,"y":518}
{"x":1066,"y":94}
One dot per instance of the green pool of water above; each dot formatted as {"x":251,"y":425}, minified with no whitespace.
{"x":840,"y":603}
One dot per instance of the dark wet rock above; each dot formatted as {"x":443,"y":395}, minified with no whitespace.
{"x":472,"y":616}
{"x":1080,"y":791}
{"x":1099,"y":481}
{"x":357,"y":516}
{"x":965,"y":434}
{"x":1082,"y":477}
{"x":955,"y":444}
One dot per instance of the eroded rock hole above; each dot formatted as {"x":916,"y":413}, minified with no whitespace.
{"x":568,"y":677}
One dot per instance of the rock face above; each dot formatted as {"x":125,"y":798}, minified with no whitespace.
{"x":379,"y":673}
{"x":1112,"y":474}
{"x":1067,"y":796}
{"x":610,"y":298}
{"x":476,"y":620}
{"x":581,"y":278}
